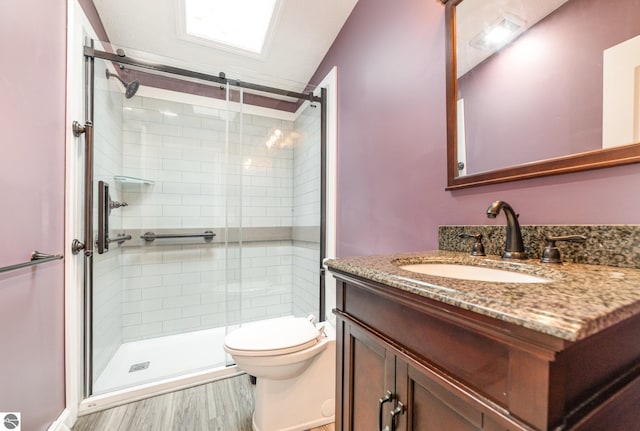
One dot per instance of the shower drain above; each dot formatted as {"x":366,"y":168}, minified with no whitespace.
{"x":139,"y":367}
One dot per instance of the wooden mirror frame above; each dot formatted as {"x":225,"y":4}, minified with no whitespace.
{"x":600,"y":158}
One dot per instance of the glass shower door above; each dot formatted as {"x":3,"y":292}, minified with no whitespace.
{"x":107,"y":286}
{"x":307,"y":210}
{"x":276,"y":169}
{"x":161,"y":290}
{"x":209,"y":218}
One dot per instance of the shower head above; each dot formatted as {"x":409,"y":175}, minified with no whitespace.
{"x":129,"y":89}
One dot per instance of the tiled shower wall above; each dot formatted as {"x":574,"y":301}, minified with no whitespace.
{"x":182,"y":148}
{"x":306,"y":212}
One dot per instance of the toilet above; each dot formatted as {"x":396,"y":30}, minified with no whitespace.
{"x":293,"y":361}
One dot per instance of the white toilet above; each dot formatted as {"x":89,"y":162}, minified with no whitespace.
{"x":293,"y":361}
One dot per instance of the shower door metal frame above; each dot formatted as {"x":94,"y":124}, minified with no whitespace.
{"x":88,"y":243}
{"x":90,"y":54}
{"x":323,"y":201}
{"x":220,"y":79}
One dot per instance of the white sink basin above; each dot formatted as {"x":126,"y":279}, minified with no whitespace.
{"x":477,"y":273}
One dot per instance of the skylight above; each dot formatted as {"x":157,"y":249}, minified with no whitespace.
{"x":240,"y":24}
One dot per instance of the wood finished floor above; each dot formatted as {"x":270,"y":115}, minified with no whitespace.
{"x":223,"y":405}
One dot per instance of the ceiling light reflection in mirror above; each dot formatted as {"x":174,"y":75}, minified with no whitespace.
{"x":483,"y":27}
{"x":498,"y":35}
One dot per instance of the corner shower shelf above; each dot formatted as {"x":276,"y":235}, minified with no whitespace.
{"x":124,"y":179}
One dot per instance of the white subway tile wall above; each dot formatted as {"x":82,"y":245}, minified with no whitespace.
{"x":172,"y":289}
{"x":198,"y":176}
{"x":306,"y":279}
{"x":200,"y":181}
{"x":264,"y":289}
{"x":306,"y":171}
{"x":306,"y":210}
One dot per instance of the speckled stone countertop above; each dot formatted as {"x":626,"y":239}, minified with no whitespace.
{"x":581,"y":300}
{"x":614,"y":245}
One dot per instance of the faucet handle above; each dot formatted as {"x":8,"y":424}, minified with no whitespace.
{"x":551,"y":254}
{"x":478,"y":248}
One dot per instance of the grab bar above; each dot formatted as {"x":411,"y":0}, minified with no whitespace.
{"x":36,"y":258}
{"x":120,"y":239}
{"x":150,"y":236}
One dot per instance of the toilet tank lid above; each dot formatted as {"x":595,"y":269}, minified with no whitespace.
{"x":276,"y":334}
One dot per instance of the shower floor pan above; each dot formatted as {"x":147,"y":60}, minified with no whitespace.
{"x":146,"y":361}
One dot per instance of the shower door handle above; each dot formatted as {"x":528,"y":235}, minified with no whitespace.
{"x":103,"y":217}
{"x":105,"y":205}
{"x":87,"y":245}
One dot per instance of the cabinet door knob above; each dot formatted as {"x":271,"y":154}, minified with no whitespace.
{"x":387,"y":397}
{"x":395,"y":412}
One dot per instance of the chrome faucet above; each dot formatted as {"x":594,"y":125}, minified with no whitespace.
{"x":514,"y":249}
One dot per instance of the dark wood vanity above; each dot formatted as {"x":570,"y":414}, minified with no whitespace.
{"x":416,"y":363}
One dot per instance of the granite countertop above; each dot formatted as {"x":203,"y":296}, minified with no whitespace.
{"x":581,"y":300}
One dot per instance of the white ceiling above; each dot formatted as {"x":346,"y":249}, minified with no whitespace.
{"x":305,"y":29}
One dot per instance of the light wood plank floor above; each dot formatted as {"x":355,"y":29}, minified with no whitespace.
{"x":223,"y":405}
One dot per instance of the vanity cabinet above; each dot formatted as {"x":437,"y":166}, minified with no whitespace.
{"x":440,"y":367}
{"x":385,"y":391}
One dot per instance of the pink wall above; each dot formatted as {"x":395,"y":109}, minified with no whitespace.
{"x":392,"y":143}
{"x":32,"y":137}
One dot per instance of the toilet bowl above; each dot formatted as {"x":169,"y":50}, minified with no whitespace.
{"x":293,"y":361}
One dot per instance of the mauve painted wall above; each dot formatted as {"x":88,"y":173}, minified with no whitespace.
{"x":548,"y":83}
{"x":392,"y":143}
{"x":32,"y":140}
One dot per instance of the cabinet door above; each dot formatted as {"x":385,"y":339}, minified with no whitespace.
{"x":431,"y":407}
{"x":368,"y":374}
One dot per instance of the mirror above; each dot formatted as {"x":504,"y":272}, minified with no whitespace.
{"x":560,"y":94}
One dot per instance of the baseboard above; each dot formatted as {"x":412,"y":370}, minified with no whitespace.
{"x":60,"y":423}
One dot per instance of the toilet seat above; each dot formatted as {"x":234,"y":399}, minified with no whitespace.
{"x":275,"y":337}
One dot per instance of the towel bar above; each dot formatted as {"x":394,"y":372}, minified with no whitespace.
{"x":36,"y":258}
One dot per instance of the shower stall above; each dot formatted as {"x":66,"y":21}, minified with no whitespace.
{"x":204,"y":203}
